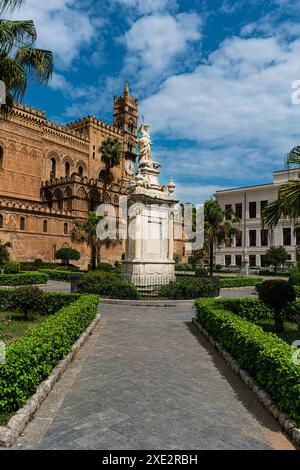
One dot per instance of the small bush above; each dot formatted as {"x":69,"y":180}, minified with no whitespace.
{"x":124,"y":290}
{"x":21,"y":279}
{"x":218,"y":267}
{"x":31,"y":359}
{"x":184,"y":267}
{"x":190,"y":288}
{"x":28,"y":299}
{"x":201,"y":272}
{"x":277,"y":294}
{"x":59,"y":275}
{"x":294,"y":279}
{"x":38,"y":262}
{"x":267,"y":358}
{"x":105,"y":267}
{"x":65,"y":254}
{"x":251,"y":309}
{"x":12,"y":267}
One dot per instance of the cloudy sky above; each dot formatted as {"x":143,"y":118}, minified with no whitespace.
{"x":214,"y":78}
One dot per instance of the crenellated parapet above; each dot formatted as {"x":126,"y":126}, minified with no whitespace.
{"x":91,"y":120}
{"x":38,"y":209}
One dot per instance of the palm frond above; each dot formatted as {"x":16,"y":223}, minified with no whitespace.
{"x":293,"y":158}
{"x":38,"y":63}
{"x":287,"y":206}
{"x":15,"y":34}
{"x":10,"y":4}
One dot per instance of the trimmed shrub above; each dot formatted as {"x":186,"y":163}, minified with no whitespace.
{"x":273,"y":273}
{"x":65,"y":254}
{"x":22,"y":279}
{"x":105,"y":267}
{"x":229,"y":282}
{"x":267,"y":358}
{"x":277,"y":294}
{"x":31,"y":359}
{"x":106,"y":284}
{"x":297,"y":291}
{"x":52,"y":301}
{"x":190,"y":288}
{"x":11,"y":267}
{"x":121,"y":289}
{"x":184,"y":267}
{"x":251,"y":309}
{"x":28,"y":299}
{"x":201,"y":272}
{"x":294,"y":279}
{"x":59,"y":275}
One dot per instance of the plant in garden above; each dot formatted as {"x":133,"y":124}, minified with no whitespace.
{"x":29,"y":299}
{"x":4,"y":252}
{"x":277,"y":294}
{"x":276,"y":256}
{"x":12,"y":267}
{"x":110,"y":151}
{"x":67,"y":254}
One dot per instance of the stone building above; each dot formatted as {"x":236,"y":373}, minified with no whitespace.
{"x":51,"y":175}
{"x":248,"y":203}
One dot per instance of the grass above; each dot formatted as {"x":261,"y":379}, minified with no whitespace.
{"x":13,"y":325}
{"x":289,"y":335}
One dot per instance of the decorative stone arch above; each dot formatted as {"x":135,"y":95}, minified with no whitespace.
{"x":83,"y":198}
{"x":81,"y":168}
{"x":102,"y":176}
{"x":68,"y":166}
{"x":58,"y":199}
{"x":82,"y":193}
{"x":53,"y":164}
{"x":115,"y":199}
{"x":94,"y":199}
{"x":11,"y":149}
{"x":105,"y":198}
{"x":131,"y":126}
{"x":2,"y":155}
{"x":68,"y":195}
{"x":24,"y":151}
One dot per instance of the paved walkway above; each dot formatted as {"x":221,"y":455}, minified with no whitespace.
{"x":146,"y":379}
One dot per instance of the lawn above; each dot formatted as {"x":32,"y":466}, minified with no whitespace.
{"x":13,"y":325}
{"x":289,"y":335}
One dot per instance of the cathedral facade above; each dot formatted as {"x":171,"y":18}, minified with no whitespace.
{"x":51,"y":175}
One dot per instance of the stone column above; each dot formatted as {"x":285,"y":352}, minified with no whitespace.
{"x":171,"y":236}
{"x":138,"y":236}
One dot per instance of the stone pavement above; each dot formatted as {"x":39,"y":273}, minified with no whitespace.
{"x":146,"y":379}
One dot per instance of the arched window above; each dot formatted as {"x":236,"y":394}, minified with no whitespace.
{"x":1,"y":221}
{"x":67,"y":169}
{"x":53,"y":168}
{"x":22,"y":223}
{"x":66,"y":228}
{"x":45,"y":226}
{"x":80,"y":170}
{"x":120,"y":125}
{"x":1,"y":157}
{"x":58,"y":196}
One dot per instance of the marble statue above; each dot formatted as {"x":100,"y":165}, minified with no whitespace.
{"x":144,"y":144}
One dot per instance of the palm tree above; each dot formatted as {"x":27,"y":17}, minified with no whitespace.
{"x":4,"y":253}
{"x":20,"y":61}
{"x":217,"y":227}
{"x":85,"y":232}
{"x":110,"y":151}
{"x":288,"y":203}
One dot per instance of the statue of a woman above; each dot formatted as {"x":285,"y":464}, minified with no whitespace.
{"x":144,"y":144}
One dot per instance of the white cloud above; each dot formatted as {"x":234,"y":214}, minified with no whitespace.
{"x":236,"y":110}
{"x":154,"y":42}
{"x":148,"y":6}
{"x":61,"y":27}
{"x":195,"y":193}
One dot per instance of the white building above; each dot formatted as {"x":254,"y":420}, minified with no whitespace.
{"x":248,"y":203}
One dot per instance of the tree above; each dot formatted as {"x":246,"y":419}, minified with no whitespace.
{"x":217,"y":227}
{"x":85,"y":232}
{"x":276,"y":294}
{"x":29,"y":299}
{"x":67,"y":254}
{"x":4,"y":252}
{"x":20,"y":61}
{"x":110,"y":151}
{"x":276,"y":256}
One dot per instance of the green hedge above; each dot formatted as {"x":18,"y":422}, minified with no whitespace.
{"x":22,"y":279}
{"x":251,"y":309}
{"x":229,"y":282}
{"x":53,"y":301}
{"x":267,"y":358}
{"x":297,"y":290}
{"x":190,"y":288}
{"x":59,"y":275}
{"x":107,"y":284}
{"x":295,"y":279}
{"x":31,"y":359}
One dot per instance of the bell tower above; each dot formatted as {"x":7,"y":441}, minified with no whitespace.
{"x":126,"y":117}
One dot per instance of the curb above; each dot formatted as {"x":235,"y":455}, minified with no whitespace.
{"x":16,"y":425}
{"x":286,"y":422}
{"x":149,"y":303}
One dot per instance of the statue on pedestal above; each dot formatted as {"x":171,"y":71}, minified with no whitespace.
{"x":144,"y":144}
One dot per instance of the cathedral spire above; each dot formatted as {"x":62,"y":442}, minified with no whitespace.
{"x":126,"y":89}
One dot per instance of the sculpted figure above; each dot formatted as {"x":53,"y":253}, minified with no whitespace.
{"x":144,"y":144}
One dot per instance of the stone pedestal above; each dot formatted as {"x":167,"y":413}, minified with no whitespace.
{"x":149,"y":249}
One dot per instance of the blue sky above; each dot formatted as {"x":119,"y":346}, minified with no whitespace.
{"x":214,"y":78}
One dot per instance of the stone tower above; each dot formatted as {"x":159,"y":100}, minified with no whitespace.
{"x":126,"y":118}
